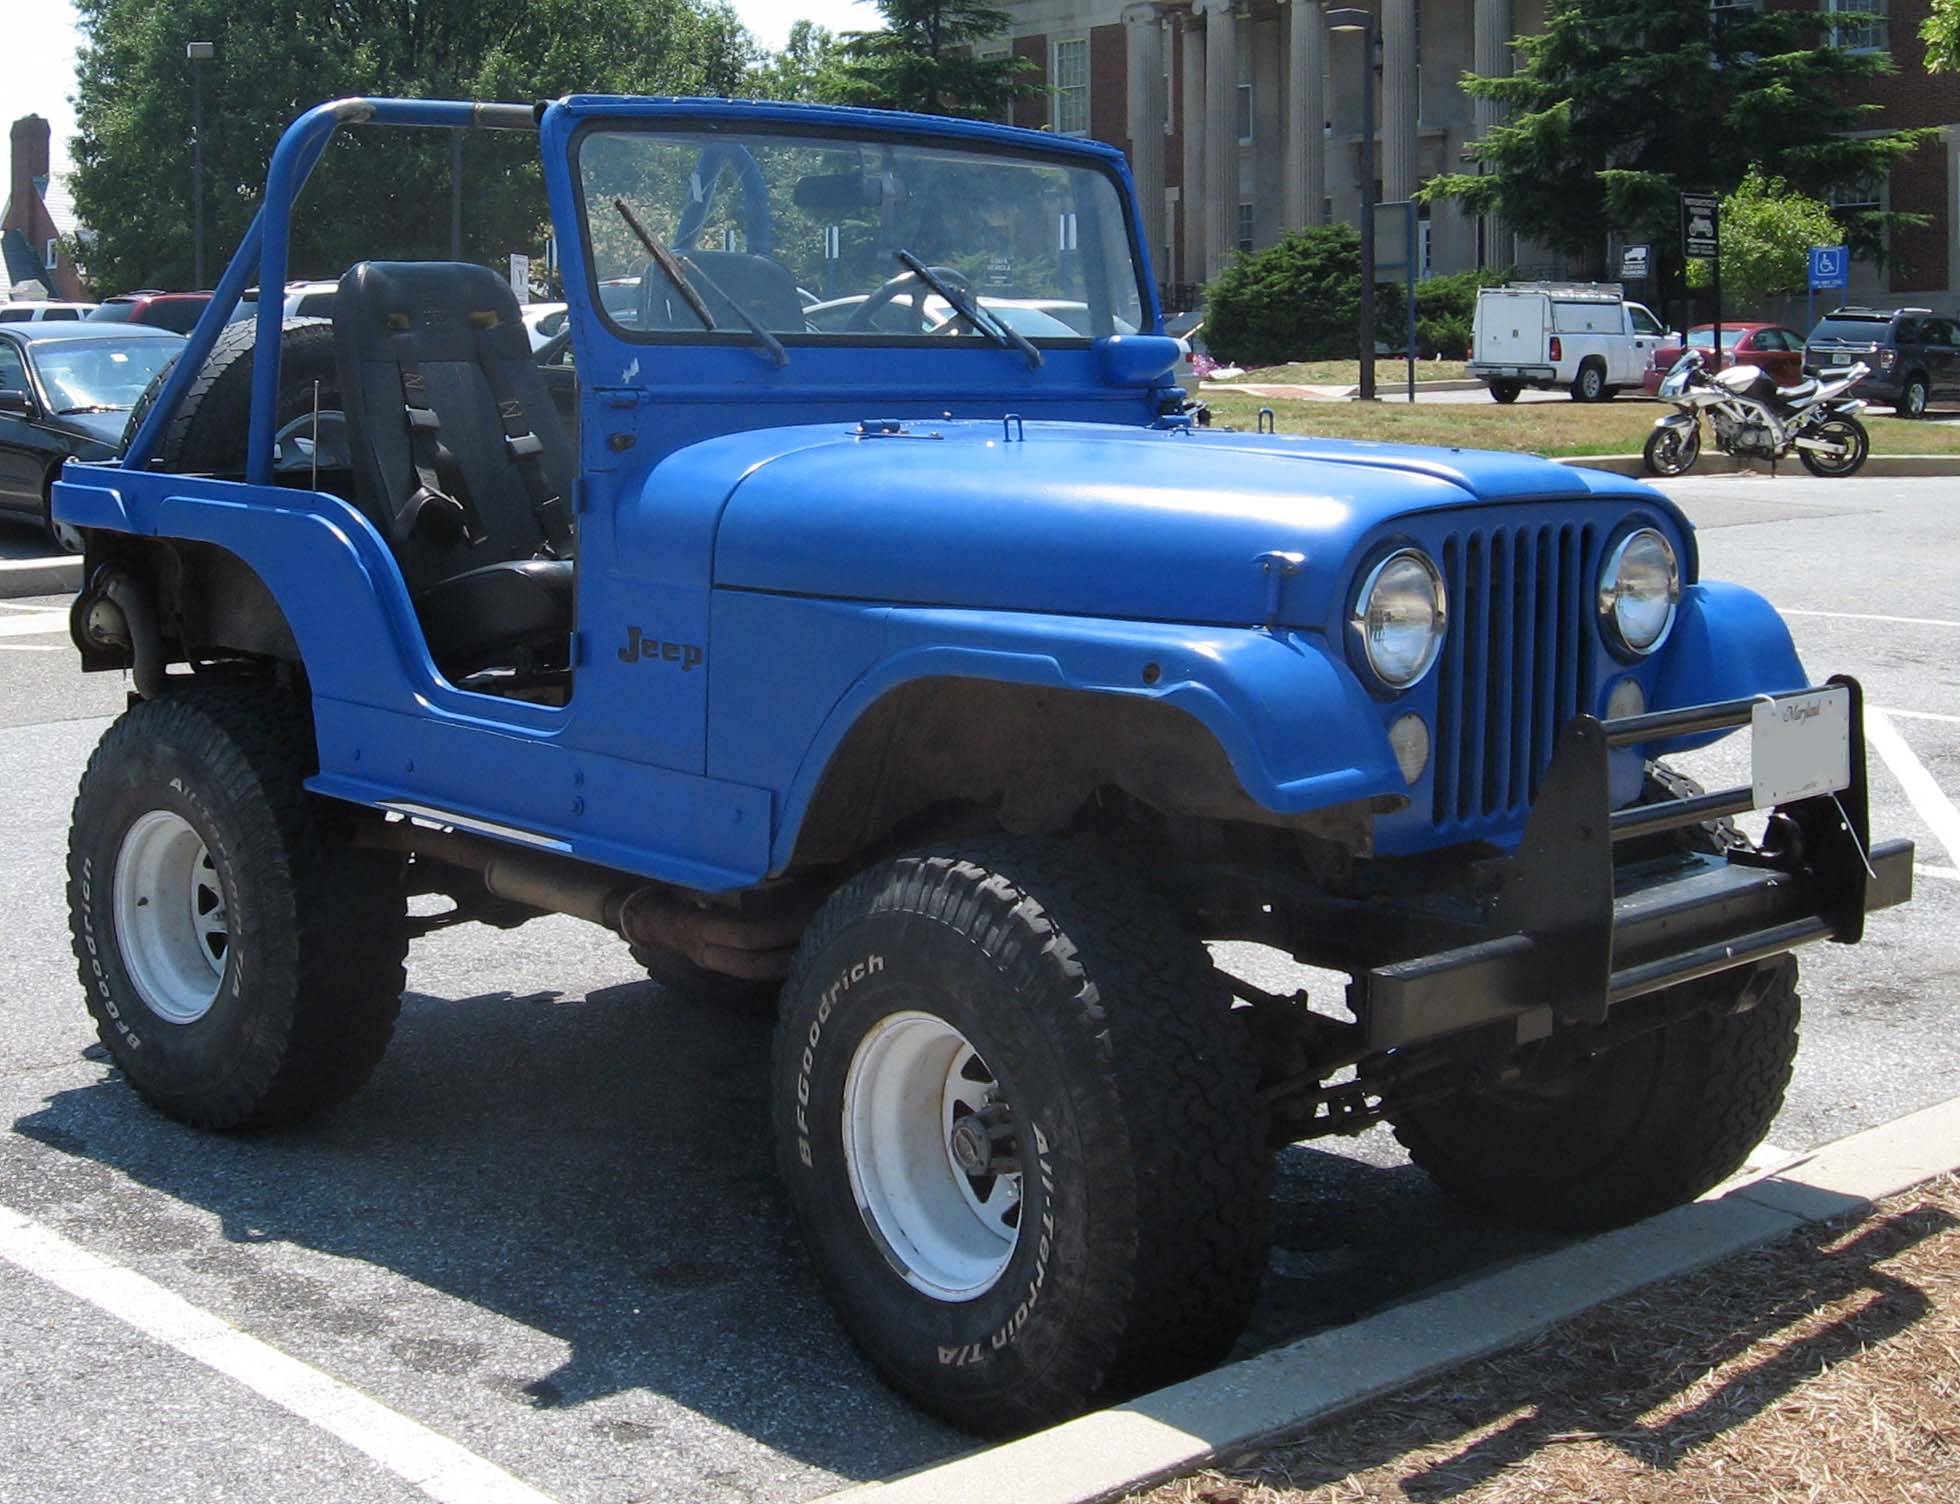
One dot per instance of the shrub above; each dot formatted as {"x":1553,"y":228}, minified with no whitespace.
{"x":1296,"y":300}
{"x":1299,"y":299}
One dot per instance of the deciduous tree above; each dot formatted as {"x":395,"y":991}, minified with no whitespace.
{"x":379,"y":192}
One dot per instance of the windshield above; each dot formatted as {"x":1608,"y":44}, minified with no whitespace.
{"x":1852,"y":331}
{"x":96,"y":374}
{"x":804,"y":233}
{"x":1703,"y":336}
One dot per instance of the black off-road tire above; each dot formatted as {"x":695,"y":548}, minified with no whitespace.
{"x":679,"y":974}
{"x":209,"y":431}
{"x":1623,"y":1134}
{"x":1505,"y":391}
{"x":312,"y":971}
{"x":1145,"y":1210}
{"x":1632,"y":1131}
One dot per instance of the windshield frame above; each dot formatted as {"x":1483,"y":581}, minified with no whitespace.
{"x":846,"y":129}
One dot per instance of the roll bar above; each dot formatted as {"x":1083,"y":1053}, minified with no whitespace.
{"x":267,"y":242}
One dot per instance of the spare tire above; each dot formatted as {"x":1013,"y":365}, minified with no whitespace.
{"x":208,"y":433}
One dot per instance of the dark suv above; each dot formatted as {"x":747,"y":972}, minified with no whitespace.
{"x":1913,"y":352}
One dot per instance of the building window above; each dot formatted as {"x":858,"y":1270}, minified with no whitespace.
{"x":1071,"y":78}
{"x":51,"y":256}
{"x":1858,"y":25}
{"x":1005,"y":114}
{"x":1245,"y":227}
{"x":1243,"y":25}
{"x":1866,"y":193}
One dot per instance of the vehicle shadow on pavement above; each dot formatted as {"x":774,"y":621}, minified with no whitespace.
{"x":1643,"y":1375}
{"x":599,"y":1169}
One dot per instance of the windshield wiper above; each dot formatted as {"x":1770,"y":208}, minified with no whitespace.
{"x":97,"y":407}
{"x":998,"y":330}
{"x":756,"y":326}
{"x":671,"y":264}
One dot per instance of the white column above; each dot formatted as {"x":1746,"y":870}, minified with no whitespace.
{"x":1399,"y":104}
{"x":1491,"y":58}
{"x":1221,"y":171}
{"x":1306,"y":112}
{"x":1144,"y":34}
{"x":1191,"y":91}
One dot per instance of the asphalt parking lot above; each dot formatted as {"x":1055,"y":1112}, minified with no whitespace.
{"x":548,"y":1233}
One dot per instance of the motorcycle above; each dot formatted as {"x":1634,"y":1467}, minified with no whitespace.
{"x":1754,"y":417}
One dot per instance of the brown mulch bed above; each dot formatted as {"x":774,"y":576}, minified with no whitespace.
{"x":1823,"y":1368}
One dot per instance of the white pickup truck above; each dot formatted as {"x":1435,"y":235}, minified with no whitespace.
{"x":1583,"y":336}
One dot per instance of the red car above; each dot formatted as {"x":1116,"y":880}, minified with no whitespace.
{"x":1776,"y":349}
{"x":176,"y":311}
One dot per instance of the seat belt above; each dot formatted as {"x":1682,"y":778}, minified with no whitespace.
{"x":442,"y":513}
{"x":522,"y":447}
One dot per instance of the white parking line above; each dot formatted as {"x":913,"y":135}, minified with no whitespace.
{"x":1927,"y":797}
{"x":34,"y":623}
{"x":1950,"y":874}
{"x":1923,"y":715}
{"x":33,"y":647}
{"x":433,"y":1463}
{"x":1909,"y":621}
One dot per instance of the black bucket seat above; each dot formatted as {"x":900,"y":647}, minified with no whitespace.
{"x":459,"y":459}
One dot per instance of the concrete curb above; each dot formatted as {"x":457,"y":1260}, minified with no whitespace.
{"x":56,"y":576}
{"x":1878,"y":466}
{"x":1104,"y":1455}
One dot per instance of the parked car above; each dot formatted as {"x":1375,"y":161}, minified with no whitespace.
{"x":66,"y":388}
{"x":1914,"y":354}
{"x":304,"y":300}
{"x":1583,"y":336}
{"x":175,"y":311}
{"x":1778,"y":350}
{"x":35,"y":311}
{"x":544,"y":322}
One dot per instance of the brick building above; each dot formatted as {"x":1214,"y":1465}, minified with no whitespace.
{"x":1242,"y":118}
{"x":36,"y":217}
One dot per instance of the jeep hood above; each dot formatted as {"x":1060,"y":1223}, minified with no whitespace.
{"x":1096,"y":520}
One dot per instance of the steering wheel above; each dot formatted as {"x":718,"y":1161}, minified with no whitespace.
{"x":903,"y":285}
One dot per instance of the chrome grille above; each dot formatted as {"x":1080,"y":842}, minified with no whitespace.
{"x":1516,"y":663}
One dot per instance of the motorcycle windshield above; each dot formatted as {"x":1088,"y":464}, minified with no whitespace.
{"x":1675,"y":382}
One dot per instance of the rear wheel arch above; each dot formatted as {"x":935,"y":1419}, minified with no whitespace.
{"x":210,"y":603}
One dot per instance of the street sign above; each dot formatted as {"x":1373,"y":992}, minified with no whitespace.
{"x":1830,"y":266}
{"x":1634,"y":262}
{"x":1701,"y":224}
{"x":520,"y":276}
{"x":1392,"y":239}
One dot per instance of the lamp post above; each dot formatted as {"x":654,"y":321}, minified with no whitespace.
{"x":197,"y":52}
{"x":1353,"y":18}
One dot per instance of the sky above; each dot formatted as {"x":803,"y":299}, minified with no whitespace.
{"x":41,"y":43}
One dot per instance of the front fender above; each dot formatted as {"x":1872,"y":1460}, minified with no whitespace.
{"x":1299,"y":732}
{"x":1728,"y":643}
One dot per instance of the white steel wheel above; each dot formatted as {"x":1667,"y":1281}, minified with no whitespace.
{"x":929,"y":1146}
{"x":172,"y":926}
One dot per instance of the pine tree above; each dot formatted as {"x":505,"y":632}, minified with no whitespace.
{"x":927,"y":59}
{"x":1618,"y":105}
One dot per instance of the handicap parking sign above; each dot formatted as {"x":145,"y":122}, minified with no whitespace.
{"x":1829,"y":266}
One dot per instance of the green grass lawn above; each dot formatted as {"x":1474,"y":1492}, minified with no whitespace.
{"x":1548,"y":428}
{"x":1348,"y":372}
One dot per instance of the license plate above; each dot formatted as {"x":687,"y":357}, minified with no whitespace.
{"x":1801,"y":746}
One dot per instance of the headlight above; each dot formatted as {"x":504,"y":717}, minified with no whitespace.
{"x":1398,"y":618}
{"x":1638,"y":591}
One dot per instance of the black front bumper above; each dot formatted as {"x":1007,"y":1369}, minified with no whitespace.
{"x":1577,"y":928}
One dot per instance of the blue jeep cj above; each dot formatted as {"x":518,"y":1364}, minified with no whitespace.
{"x":848,"y":614}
